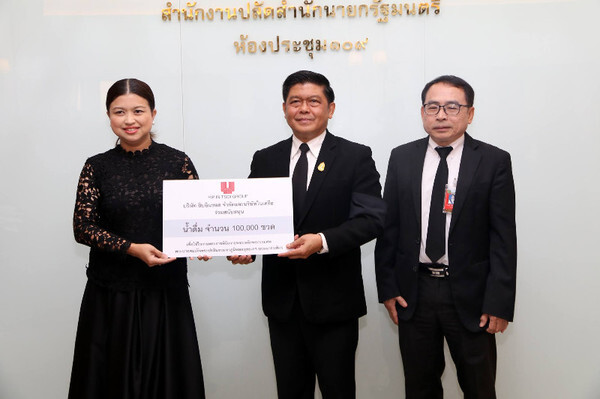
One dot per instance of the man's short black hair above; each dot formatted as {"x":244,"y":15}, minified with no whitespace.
{"x":454,"y":81}
{"x":302,"y":77}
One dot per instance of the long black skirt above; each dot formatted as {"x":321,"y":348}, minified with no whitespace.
{"x":136,"y":344}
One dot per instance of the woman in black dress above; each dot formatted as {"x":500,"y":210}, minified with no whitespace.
{"x":136,"y":337}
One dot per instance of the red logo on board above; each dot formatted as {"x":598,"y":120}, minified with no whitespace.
{"x":227,"y":187}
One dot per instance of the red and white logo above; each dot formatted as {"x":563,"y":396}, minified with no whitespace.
{"x":227,"y":187}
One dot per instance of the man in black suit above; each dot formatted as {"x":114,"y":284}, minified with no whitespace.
{"x":313,"y":294}
{"x":446,"y":262}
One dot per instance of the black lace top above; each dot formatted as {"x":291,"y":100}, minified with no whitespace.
{"x":119,"y":202}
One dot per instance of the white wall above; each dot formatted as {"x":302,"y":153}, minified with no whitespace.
{"x":533,"y":65}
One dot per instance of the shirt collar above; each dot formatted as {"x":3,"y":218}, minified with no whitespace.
{"x":314,"y":144}
{"x":456,"y":144}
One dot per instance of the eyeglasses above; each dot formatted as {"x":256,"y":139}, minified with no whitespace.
{"x":450,"y":108}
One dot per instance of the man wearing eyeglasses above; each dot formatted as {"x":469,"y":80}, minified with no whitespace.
{"x":446,"y":262}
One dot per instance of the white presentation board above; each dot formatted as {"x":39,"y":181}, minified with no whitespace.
{"x":532,"y":64}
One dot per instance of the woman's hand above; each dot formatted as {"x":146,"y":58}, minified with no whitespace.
{"x":149,"y":254}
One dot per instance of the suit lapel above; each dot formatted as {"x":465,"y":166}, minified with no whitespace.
{"x":468,"y":166}
{"x":326,"y":157}
{"x":281,"y":159}
{"x":416,"y":174}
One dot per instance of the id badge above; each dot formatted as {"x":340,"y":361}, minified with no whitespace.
{"x":449,"y":195}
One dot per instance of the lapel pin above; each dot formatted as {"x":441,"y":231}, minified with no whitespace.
{"x":321,"y":167}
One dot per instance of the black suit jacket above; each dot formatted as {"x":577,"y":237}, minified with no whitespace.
{"x":344,"y":203}
{"x":482,"y":249}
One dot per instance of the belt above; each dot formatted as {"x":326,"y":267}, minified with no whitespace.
{"x":436,"y":270}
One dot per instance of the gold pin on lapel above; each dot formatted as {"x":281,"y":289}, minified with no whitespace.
{"x":321,"y":167}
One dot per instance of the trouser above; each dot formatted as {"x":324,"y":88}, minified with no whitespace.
{"x":422,"y":346}
{"x":303,"y":350}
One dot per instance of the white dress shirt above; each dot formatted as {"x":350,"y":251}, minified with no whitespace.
{"x":312,"y":155}
{"x":432,"y":160}
{"x":314,"y":146}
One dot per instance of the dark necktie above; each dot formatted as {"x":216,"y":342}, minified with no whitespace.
{"x":299,"y":181}
{"x":436,"y":232}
